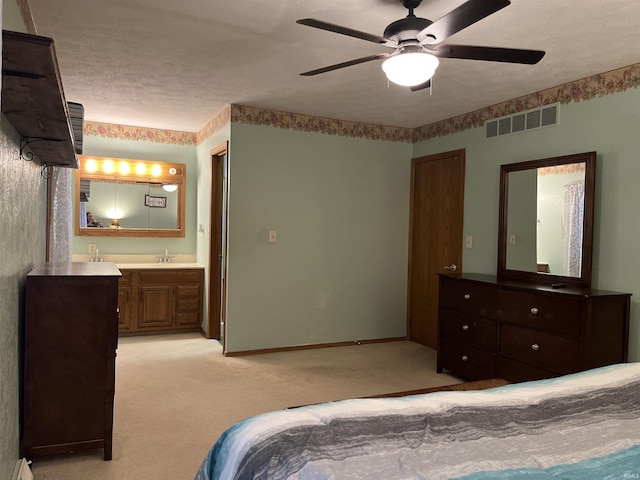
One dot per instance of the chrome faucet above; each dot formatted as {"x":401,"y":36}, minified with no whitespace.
{"x":166,"y":258}
{"x":96,"y":257}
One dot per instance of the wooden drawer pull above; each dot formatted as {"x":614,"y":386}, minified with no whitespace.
{"x":467,"y":296}
{"x":534,"y":310}
{"x":464,"y":358}
{"x":535,"y":347}
{"x":465,"y":327}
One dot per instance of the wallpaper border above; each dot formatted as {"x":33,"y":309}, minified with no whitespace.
{"x":599,"y":85}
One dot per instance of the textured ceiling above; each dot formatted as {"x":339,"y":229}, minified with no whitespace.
{"x":174,"y":65}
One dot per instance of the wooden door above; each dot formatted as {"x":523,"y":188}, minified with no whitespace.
{"x":435,"y":237}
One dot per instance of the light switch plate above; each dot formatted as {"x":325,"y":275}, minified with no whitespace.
{"x":272,"y":236}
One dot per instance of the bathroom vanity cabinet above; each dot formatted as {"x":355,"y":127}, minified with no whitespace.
{"x":69,"y":356}
{"x":158,"y":299}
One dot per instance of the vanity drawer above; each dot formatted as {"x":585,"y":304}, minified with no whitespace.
{"x":548,"y":312}
{"x":187,"y":305}
{"x":466,"y":361}
{"x":168,"y":275}
{"x":462,"y":327}
{"x":544,"y":350}
{"x":188,"y":291}
{"x":188,"y":318}
{"x":467,"y":296}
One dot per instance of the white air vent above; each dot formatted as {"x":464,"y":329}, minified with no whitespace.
{"x":546,"y":116}
{"x":76,"y":115}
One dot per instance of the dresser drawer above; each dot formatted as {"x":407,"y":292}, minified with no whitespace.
{"x":514,"y":371}
{"x":551,"y":352}
{"x":460,"y":326}
{"x":548,"y":312}
{"x":466,"y":361}
{"x":467,"y":296}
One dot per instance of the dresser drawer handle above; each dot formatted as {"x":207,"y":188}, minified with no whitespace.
{"x":467,"y":296}
{"x":534,"y":311}
{"x":464,"y":358}
{"x":465,"y":327}
{"x":535,"y":347}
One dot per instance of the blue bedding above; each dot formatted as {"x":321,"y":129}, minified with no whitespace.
{"x":580,"y":426}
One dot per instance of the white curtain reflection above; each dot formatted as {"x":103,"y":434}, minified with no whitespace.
{"x":572,"y":215}
{"x":61,"y":231}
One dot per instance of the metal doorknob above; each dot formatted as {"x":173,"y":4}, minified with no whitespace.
{"x":451,"y":267}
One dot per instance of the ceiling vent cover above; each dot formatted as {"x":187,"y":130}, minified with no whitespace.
{"x":76,"y":115}
{"x":546,"y":116}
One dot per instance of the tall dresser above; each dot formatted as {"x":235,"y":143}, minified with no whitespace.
{"x":70,"y":340}
{"x":522,"y":331}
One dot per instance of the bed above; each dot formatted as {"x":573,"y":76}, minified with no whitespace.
{"x":585,"y":425}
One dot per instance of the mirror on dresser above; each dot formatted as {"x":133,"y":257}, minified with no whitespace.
{"x":129,"y":198}
{"x":545,"y":220}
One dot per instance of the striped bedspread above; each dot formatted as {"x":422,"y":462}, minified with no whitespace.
{"x":580,"y":426}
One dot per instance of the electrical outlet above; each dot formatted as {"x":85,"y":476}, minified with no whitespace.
{"x":272,"y":236}
{"x":92,"y":248}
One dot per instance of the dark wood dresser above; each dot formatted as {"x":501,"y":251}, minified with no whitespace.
{"x":521,"y":331}
{"x":70,"y":340}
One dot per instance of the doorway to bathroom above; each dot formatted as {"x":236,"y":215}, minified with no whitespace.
{"x":217,"y":244}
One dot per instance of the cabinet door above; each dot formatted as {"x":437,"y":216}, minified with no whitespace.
{"x":156,"y":306}
{"x":124,"y":317}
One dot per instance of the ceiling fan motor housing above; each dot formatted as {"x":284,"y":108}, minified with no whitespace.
{"x":406,"y":29}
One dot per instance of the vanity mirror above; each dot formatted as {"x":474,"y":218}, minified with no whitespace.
{"x":545,"y":231}
{"x":129,"y":198}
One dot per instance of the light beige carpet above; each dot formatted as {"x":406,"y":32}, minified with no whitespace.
{"x":175,"y":394}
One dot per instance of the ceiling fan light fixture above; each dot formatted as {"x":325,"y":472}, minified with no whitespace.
{"x":410,"y":69}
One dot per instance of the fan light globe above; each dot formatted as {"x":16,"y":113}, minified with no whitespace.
{"x":410,"y":69}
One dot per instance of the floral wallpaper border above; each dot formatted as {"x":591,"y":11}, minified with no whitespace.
{"x":126,"y":132}
{"x":599,"y":85}
{"x":588,"y":88}
{"x":307,"y":123}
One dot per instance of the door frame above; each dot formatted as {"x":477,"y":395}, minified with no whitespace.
{"x":218,"y":223}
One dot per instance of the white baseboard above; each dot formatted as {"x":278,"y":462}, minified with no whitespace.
{"x":22,"y":471}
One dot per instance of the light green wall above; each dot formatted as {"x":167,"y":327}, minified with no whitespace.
{"x":340,"y":207}
{"x":144,"y":150}
{"x":608,"y":125}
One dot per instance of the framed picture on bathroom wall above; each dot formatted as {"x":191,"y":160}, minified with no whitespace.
{"x":153,"y":201}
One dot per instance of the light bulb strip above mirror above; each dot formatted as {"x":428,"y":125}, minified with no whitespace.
{"x":148,"y":198}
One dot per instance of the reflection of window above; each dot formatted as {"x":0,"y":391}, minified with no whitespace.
{"x":572,"y":215}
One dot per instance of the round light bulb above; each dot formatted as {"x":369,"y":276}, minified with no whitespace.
{"x":410,"y":69}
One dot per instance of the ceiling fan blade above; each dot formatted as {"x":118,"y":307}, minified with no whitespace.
{"x":369,"y":37}
{"x":422,"y":86}
{"x":490,"y":54}
{"x":377,"y":56}
{"x":459,"y":18}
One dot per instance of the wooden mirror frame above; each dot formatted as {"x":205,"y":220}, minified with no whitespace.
{"x":584,"y":281}
{"x":161,"y":175}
